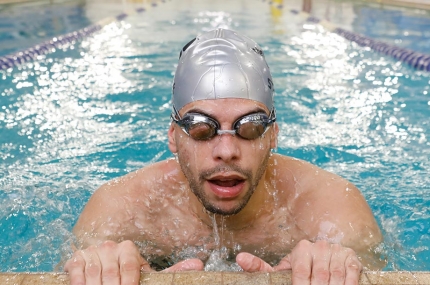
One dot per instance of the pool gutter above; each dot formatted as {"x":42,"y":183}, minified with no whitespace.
{"x":220,"y":278}
{"x":405,"y":3}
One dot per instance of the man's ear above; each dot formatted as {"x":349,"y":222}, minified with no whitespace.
{"x":274,"y":136}
{"x":172,"y":141}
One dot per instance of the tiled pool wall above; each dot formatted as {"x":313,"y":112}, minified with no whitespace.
{"x":221,"y":278}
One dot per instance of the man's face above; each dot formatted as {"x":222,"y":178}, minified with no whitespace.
{"x":223,"y":172}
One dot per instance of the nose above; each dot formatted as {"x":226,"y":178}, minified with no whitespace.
{"x":226,"y":147}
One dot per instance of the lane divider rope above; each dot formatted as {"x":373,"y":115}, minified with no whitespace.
{"x":417,"y":60}
{"x":21,"y":57}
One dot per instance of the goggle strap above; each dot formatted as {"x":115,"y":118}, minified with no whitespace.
{"x":272,"y":115}
{"x":175,"y":115}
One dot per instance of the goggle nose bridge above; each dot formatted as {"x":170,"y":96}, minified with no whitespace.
{"x":221,"y":132}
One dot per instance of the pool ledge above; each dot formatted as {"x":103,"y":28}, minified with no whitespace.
{"x":220,"y":278}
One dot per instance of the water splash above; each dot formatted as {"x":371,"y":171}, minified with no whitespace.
{"x":218,"y":258}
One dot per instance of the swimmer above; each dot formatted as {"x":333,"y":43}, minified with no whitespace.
{"x":225,"y":188}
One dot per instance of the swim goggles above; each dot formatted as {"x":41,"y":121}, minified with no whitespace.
{"x":201,"y":127}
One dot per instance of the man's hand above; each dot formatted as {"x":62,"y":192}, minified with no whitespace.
{"x":311,"y":263}
{"x":114,"y":264}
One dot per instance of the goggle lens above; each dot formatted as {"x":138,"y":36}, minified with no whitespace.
{"x":200,"y":131}
{"x":251,"y":130}
{"x":201,"y":127}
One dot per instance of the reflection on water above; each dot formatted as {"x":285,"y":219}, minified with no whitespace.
{"x":77,"y":118}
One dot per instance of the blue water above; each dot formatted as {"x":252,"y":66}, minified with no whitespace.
{"x":25,"y":25}
{"x":99,"y":109}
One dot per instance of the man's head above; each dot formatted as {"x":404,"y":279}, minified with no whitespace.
{"x":224,"y":121}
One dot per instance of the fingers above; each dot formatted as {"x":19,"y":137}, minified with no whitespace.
{"x":76,"y":268}
{"x":131,"y":263}
{"x":301,"y":260}
{"x":186,"y":265}
{"x":337,"y":265}
{"x":108,"y":264}
{"x":322,"y":263}
{"x":353,"y":270}
{"x":284,"y":264}
{"x":93,"y":266}
{"x":345,"y":268}
{"x":110,"y":274}
{"x":251,"y":263}
{"x":115,"y":264}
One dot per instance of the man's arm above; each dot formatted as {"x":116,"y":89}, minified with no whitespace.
{"x":105,"y":232}
{"x":331,"y":208}
{"x":106,"y":216}
{"x":338,"y":229}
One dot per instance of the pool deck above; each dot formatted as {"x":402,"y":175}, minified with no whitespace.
{"x":220,"y":278}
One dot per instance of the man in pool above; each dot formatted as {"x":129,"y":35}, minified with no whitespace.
{"x":225,"y":191}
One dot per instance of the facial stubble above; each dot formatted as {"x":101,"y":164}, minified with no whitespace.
{"x":196,"y":185}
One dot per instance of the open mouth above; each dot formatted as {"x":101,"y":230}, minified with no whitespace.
{"x":227,"y":186}
{"x":226,"y":183}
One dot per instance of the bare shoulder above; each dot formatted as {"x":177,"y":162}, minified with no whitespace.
{"x":138,"y":183}
{"x":310,"y":181}
{"x":119,"y":208}
{"x":300,"y":169}
{"x":298,"y":176}
{"x":144,"y":180}
{"x":327,"y":206}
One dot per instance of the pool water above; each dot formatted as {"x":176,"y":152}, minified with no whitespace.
{"x":26,"y":25}
{"x":99,"y":108}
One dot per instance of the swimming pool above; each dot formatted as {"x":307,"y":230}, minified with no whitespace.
{"x":100,"y":108}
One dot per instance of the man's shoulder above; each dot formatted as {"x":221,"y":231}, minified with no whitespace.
{"x":148,"y":177}
{"x":298,"y":166}
{"x":287,"y":164}
{"x":162,"y":169}
{"x":299,"y":176}
{"x":325,"y":204}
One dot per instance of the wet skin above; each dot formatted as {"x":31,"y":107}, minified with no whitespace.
{"x":269,"y":208}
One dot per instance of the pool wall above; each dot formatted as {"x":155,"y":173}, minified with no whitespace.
{"x":220,"y":278}
{"x":420,"y":4}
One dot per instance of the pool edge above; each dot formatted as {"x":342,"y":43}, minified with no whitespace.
{"x":220,"y":278}
{"x":416,"y":4}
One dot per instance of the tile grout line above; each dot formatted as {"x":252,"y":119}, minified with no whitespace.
{"x":173,"y":278}
{"x":364,"y":274}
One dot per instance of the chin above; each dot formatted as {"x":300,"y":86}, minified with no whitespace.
{"x":224,"y":211}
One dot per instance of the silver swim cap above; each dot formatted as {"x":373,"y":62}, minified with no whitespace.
{"x":222,"y":64}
